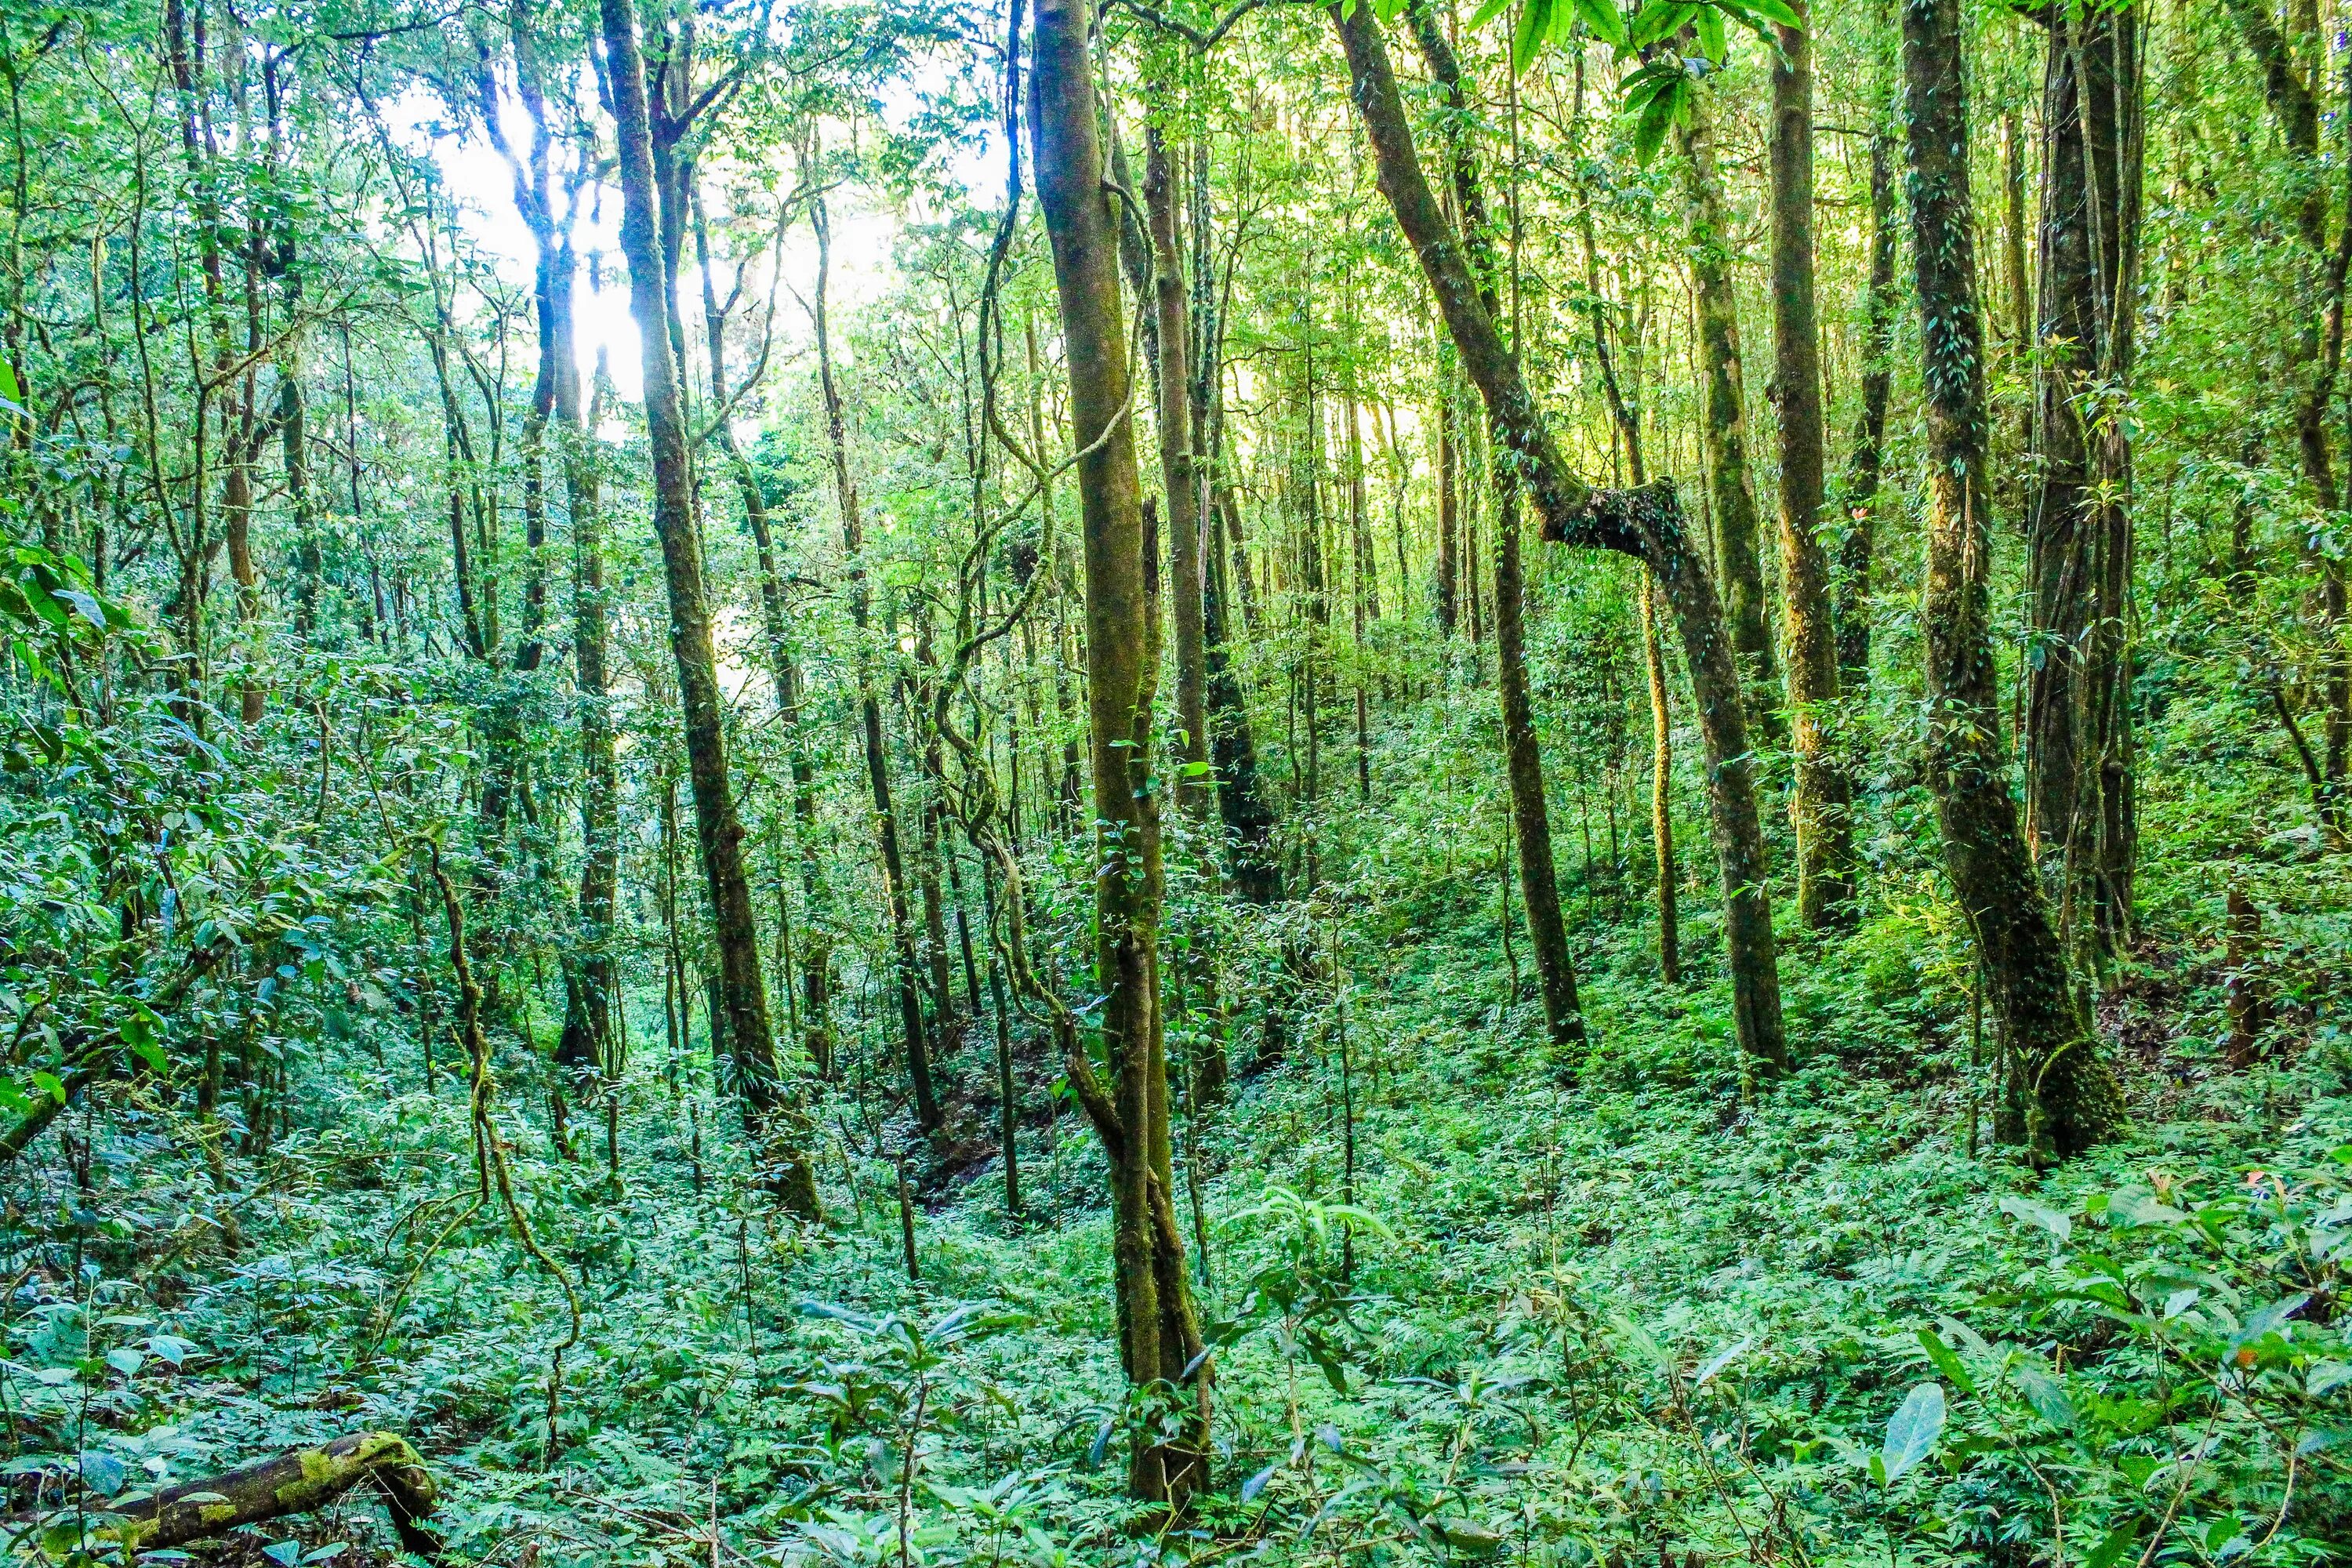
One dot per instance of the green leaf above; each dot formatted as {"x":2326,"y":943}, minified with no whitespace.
{"x":1534,"y":26}
{"x":2112,"y":1545}
{"x":1658,"y":19}
{"x":285,"y":1553}
{"x":1603,"y":20}
{"x":48,"y":1084}
{"x":1663,"y":111}
{"x":2046,"y":1394}
{"x":2043,"y":1215}
{"x":1946,"y":1362}
{"x":1773,"y":11}
{"x":1464,"y":1536}
{"x":1488,"y":11}
{"x":2328,"y":1376}
{"x":1911,"y":1431}
{"x":1711,"y":41}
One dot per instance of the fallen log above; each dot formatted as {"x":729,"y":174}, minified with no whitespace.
{"x":300,"y":1481}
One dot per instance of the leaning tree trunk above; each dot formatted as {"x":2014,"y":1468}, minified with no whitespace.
{"x":1822,"y":798}
{"x":1647,"y":524}
{"x":1522,"y":755}
{"x":742,"y":989}
{"x":1160,"y":1337}
{"x":2078,"y":765}
{"x":1724,"y":427}
{"x":2072,"y":1100}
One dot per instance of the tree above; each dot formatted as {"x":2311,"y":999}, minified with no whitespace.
{"x":1160,"y":1336}
{"x":2064,"y":1097}
{"x":742,"y":989}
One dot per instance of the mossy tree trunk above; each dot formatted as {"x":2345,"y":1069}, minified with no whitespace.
{"x":2067,"y":1090}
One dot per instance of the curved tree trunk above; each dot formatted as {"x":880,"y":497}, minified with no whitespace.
{"x":1646,"y":524}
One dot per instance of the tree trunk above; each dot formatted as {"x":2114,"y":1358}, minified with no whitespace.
{"x":2074,"y":1101}
{"x":1646,"y":523}
{"x":869,"y":708}
{"x":1449,"y":465}
{"x":2079,"y":821}
{"x":1724,"y":424}
{"x":734,"y":930}
{"x":1868,"y":458}
{"x":1240,"y":795}
{"x":1523,"y":768}
{"x":1176,"y":468}
{"x":1661,"y":789}
{"x":1159,"y":1334}
{"x":1821,"y":803}
{"x":299,"y":1482}
{"x":2312,"y":357}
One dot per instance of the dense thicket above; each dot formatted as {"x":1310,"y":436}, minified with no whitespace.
{"x":828,"y":783}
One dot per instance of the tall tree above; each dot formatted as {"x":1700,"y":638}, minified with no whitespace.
{"x":1522,"y":751}
{"x":1723,"y":426}
{"x":2064,"y":1094}
{"x":895,"y":903}
{"x":1822,"y":798}
{"x":742,"y":989}
{"x":2079,"y":815}
{"x":1160,"y":1336}
{"x":1645,"y":525}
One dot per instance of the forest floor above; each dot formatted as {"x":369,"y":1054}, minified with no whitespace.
{"x":1614,"y":1309}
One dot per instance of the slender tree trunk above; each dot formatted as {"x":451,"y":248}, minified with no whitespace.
{"x":1880,"y":303}
{"x":2078,"y":763}
{"x":743,"y":988}
{"x":1159,"y":1334}
{"x":1647,"y":524}
{"x":1176,"y":468}
{"x":1822,"y":801}
{"x":1661,"y":789}
{"x":1725,"y":427}
{"x":2072,"y":1092}
{"x":869,"y":708}
{"x":1523,"y":767}
{"x":1448,"y":478}
{"x":2314,"y":357}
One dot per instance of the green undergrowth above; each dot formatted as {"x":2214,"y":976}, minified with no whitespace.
{"x":1563,"y":1310}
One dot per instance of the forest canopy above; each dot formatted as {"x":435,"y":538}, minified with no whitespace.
{"x":1056,"y":783}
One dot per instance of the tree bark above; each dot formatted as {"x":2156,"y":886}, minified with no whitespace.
{"x":1661,"y":789}
{"x":735,"y":932}
{"x":1523,"y":765}
{"x":1176,"y":468}
{"x":301,"y":1481}
{"x":1868,"y":460}
{"x":1821,"y":804}
{"x":1724,"y":426}
{"x":1646,"y":523}
{"x":2079,"y":821}
{"x":1158,"y":1334}
{"x":2313,"y":361}
{"x":2072,"y":1096}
